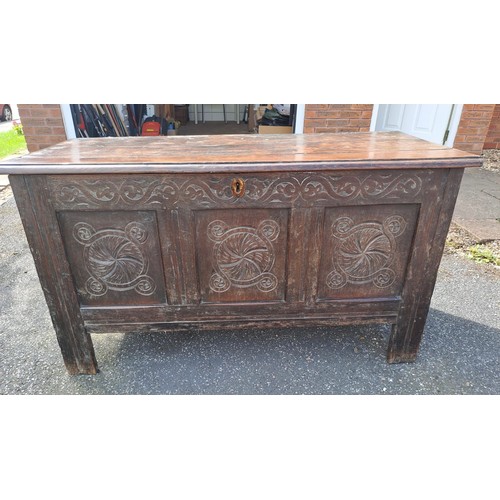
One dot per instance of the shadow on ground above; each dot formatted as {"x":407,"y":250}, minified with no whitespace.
{"x":457,"y":357}
{"x":459,"y":352}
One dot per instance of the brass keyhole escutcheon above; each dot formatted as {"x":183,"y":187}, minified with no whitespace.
{"x":238,"y":187}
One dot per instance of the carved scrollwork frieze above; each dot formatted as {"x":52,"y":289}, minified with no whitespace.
{"x":170,"y":190}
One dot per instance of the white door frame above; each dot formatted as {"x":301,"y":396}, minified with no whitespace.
{"x":300,"y":115}
{"x":455,"y":120}
{"x":68,"y":121}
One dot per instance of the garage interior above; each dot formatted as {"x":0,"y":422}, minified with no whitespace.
{"x":108,"y":120}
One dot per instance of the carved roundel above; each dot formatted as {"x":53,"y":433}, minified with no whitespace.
{"x":363,"y":253}
{"x":114,"y":259}
{"x":243,"y":256}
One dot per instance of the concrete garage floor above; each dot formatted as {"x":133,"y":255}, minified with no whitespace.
{"x":213,"y":128}
{"x":459,"y":353}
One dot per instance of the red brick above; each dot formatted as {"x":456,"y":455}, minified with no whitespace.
{"x":493,"y":135}
{"x":473,"y":131}
{"x":54,"y":113}
{"x":50,"y":139}
{"x":40,"y":112}
{"x":473,"y":114}
{"x":357,"y":123}
{"x":39,"y":131}
{"x":362,"y":106}
{"x":484,"y":107}
{"x":477,"y":123}
{"x":348,"y":114}
{"x":475,"y":138}
{"x":33,"y":122}
{"x":28,"y":131}
{"x":59,"y":131}
{"x":316,"y":106}
{"x":330,"y":113}
{"x":54,"y":122}
{"x":315,"y":123}
{"x":23,"y":112}
{"x":336,"y":122}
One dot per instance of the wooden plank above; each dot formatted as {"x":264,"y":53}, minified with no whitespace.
{"x":251,"y":311}
{"x":239,"y":232}
{"x":302,"y":322}
{"x":298,"y":236}
{"x":42,"y":232}
{"x":422,"y":270}
{"x":314,"y":246}
{"x":224,"y":149}
{"x":183,"y":228}
{"x":270,"y":190}
{"x":122,"y":167}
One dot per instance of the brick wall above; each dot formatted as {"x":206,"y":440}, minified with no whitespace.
{"x":473,"y":127}
{"x":479,"y":125}
{"x":42,"y":124}
{"x":337,"y":118}
{"x":493,"y":136}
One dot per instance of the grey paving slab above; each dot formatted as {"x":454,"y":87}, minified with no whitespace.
{"x":478,"y":204}
{"x":459,"y":353}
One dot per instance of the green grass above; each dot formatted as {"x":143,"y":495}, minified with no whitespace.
{"x":482,"y":255}
{"x":11,"y":142}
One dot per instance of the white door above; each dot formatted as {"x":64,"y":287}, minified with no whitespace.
{"x":427,"y":121}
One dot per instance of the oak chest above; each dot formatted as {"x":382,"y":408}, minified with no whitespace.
{"x":134,"y":234}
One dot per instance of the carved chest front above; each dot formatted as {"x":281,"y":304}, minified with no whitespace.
{"x":237,"y":232}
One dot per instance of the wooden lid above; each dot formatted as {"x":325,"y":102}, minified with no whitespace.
{"x":217,"y":153}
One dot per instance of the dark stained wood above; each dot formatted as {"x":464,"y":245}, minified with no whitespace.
{"x":302,"y":322}
{"x":41,"y":228}
{"x":236,"y":232}
{"x":241,"y":254}
{"x":296,"y":189}
{"x":250,"y":311}
{"x":249,"y":152}
{"x":115,"y":256}
{"x":422,"y":271}
{"x":366,"y":254}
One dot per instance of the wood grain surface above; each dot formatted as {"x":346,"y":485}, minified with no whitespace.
{"x":126,"y":154}
{"x":237,"y":232}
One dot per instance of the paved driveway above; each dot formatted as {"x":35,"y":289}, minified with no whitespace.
{"x":459,"y":352}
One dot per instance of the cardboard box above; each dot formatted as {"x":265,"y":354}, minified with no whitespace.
{"x":275,"y":129}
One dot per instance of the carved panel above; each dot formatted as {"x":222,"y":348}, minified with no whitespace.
{"x":114,"y":257}
{"x":302,"y":189}
{"x":365,"y":251}
{"x":241,"y":254}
